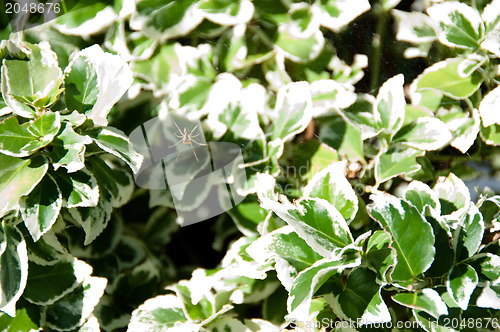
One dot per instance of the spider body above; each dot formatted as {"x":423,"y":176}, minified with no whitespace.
{"x":186,"y":137}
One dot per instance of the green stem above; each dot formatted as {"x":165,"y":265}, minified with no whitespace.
{"x":262,"y":36}
{"x":377,"y":42}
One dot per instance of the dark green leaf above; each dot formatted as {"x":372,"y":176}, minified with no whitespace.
{"x":317,"y":222}
{"x":41,"y":207}
{"x":397,"y":161}
{"x":361,"y":297}
{"x":461,"y":283}
{"x":18,"y":178}
{"x":380,"y":256}
{"x":13,"y":270}
{"x":331,"y":185}
{"x":81,"y":88}
{"x":48,"y":284}
{"x":412,"y":236}
{"x":68,"y":150}
{"x":427,"y":300}
{"x":115,"y":142}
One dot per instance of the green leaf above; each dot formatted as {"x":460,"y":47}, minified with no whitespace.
{"x":321,"y":157}
{"x":18,"y":178}
{"x":299,"y":47}
{"x":115,"y":189}
{"x":16,"y":140}
{"x":116,"y":180}
{"x":492,"y":43}
{"x":81,"y":85}
{"x":23,"y":140}
{"x":94,"y":219}
{"x":443,"y":76}
{"x":114,"y":77}
{"x":160,"y":228}
{"x":414,"y":27}
{"x":429,"y":323}
{"x":360,"y":115}
{"x":488,"y":267}
{"x":68,"y":149}
{"x":232,"y":49}
{"x":78,"y":189}
{"x":335,"y":14}
{"x":316,"y":221}
{"x":47,"y":284}
{"x":157,"y":69}
{"x":246,"y":216}
{"x":227,"y":12}
{"x":227,"y":324}
{"x":75,"y":119}
{"x":489,"y":297}
{"x":471,"y":233}
{"x":331,"y":185}
{"x":74,"y":308}
{"x":389,"y":4}
{"x":329,"y":95}
{"x":389,"y":109}
{"x":239,"y":120}
{"x":343,"y":137}
{"x":286,"y":244}
{"x":158,"y":313}
{"x":36,"y":81}
{"x":464,"y":129}
{"x":454,"y":197}
{"x":293,"y":109}
{"x":380,"y":255}
{"x":21,"y":322}
{"x":115,"y":142}
{"x":361,"y":298}
{"x":47,"y":250}
{"x":310,"y":280}
{"x":491,"y":134}
{"x":41,"y":207}
{"x":396,"y":161}
{"x":427,"y":133}
{"x":194,"y":310}
{"x":13,"y":270}
{"x":427,"y":300}
{"x":87,"y":18}
{"x":46,"y":127}
{"x":458,"y":25}
{"x":412,"y":236}
{"x":488,"y":108}
{"x":461,"y":283}
{"x":430,"y":99}
{"x":166,"y":19}
{"x":444,"y":259}
{"x":423,"y":198}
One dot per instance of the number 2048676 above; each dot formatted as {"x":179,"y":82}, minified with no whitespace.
{"x":32,"y":8}
{"x":459,"y":323}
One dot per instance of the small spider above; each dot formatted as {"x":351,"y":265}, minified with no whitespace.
{"x":186,"y":138}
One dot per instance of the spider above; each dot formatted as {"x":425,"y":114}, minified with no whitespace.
{"x":186,"y":138}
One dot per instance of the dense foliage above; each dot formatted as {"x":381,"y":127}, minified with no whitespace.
{"x":364,"y":128}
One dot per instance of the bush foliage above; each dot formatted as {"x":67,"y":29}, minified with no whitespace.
{"x":364,"y":127}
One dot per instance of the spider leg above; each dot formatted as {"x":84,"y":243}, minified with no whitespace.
{"x":193,"y":129}
{"x":179,"y":129}
{"x":171,"y":146}
{"x":192,"y":140}
{"x":194,"y":135}
{"x":192,"y":149}
{"x":178,"y":154}
{"x":178,"y":136}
